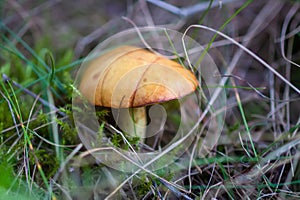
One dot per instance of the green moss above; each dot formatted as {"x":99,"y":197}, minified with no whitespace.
{"x":118,"y":141}
{"x":69,"y":132}
{"x":143,"y":186}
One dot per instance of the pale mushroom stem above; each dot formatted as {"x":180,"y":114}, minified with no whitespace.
{"x":140,"y":121}
{"x":133,"y":122}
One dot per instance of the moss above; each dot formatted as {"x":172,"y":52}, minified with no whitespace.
{"x":144,"y":186}
{"x":118,"y":141}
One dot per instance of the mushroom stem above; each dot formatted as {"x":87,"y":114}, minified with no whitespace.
{"x":140,"y":121}
{"x":133,"y":121}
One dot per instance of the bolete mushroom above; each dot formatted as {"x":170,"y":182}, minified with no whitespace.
{"x":132,"y":77}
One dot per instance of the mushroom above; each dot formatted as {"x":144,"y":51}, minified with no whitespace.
{"x":132,"y":77}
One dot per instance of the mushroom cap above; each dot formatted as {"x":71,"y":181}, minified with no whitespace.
{"x":130,"y":76}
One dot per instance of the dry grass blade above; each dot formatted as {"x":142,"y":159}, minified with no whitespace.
{"x":253,"y":101}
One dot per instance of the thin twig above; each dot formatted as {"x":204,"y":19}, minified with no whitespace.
{"x":188,"y":11}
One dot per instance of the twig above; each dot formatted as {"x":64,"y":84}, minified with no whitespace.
{"x":188,"y":11}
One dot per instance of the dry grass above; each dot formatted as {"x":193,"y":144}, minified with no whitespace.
{"x":255,"y":45}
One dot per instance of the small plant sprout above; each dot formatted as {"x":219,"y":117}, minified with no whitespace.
{"x":129,"y":78}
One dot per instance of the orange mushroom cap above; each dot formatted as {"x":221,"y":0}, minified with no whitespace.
{"x":130,"y":76}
